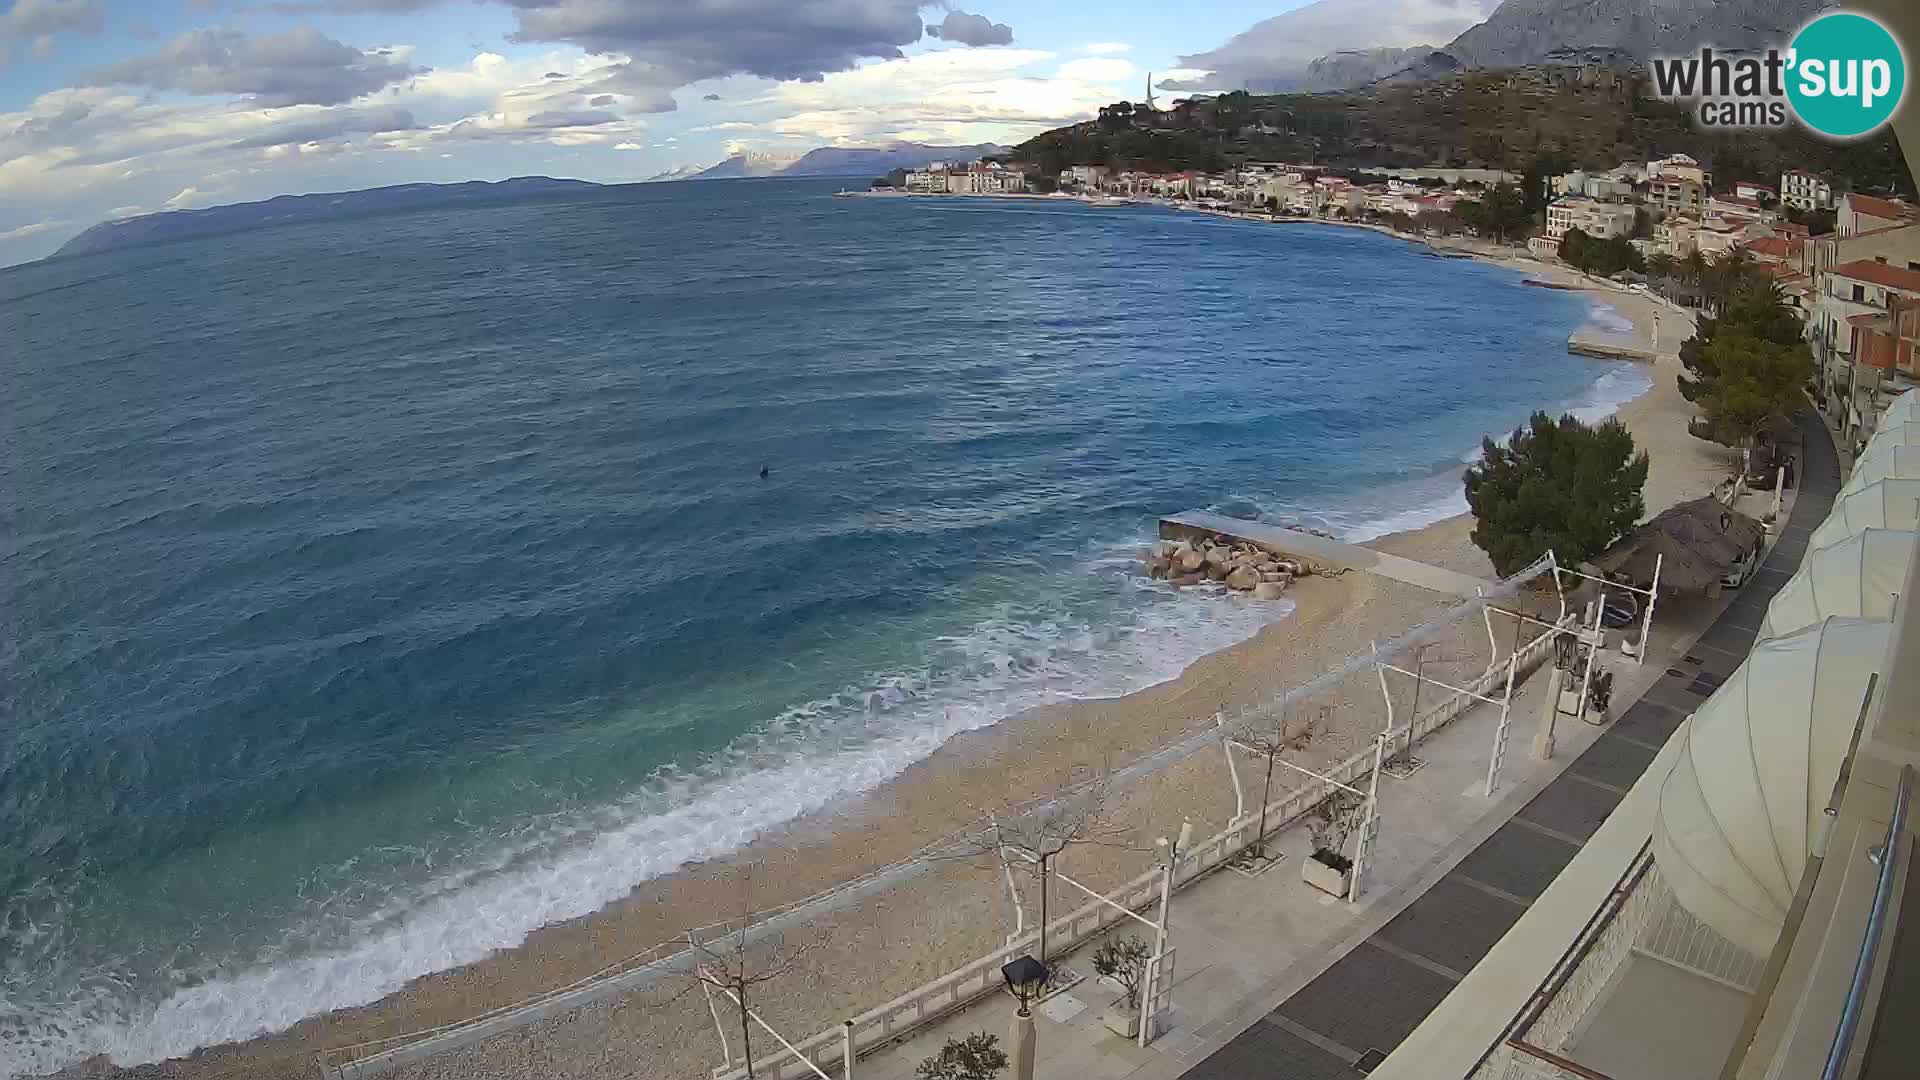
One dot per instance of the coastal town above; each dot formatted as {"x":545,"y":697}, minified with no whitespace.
{"x":1847,"y":262}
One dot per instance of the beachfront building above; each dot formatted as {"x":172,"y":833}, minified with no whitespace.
{"x":1735,"y":205}
{"x":1679,"y":167}
{"x":1601,"y":186}
{"x":1890,"y":343}
{"x":1803,"y":190}
{"x":1603,"y":220}
{"x":1676,"y":195}
{"x":1847,"y":292}
{"x":1090,"y":177}
{"x":1867,"y":213}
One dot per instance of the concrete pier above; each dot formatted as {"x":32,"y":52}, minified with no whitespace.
{"x":1322,"y":551}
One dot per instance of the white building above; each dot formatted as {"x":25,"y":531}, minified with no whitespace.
{"x":1597,"y":219}
{"x":1805,"y":191}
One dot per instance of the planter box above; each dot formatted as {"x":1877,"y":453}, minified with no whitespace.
{"x":1122,"y":1019}
{"x":1330,"y":879}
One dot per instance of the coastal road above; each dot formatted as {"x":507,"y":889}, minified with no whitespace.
{"x":1346,"y":1021}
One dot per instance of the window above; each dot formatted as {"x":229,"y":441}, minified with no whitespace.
{"x":1860,"y":293}
{"x":1881,"y":259}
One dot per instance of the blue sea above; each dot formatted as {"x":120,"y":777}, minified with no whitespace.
{"x":374,"y":592}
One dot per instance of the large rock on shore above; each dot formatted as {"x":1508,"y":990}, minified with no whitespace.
{"x":1269,"y":590}
{"x":1244,"y":579}
{"x":1191,"y":560}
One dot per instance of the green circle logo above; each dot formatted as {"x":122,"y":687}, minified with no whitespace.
{"x":1845,"y":75}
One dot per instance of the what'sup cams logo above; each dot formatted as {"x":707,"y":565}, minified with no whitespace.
{"x":1843,"y":76}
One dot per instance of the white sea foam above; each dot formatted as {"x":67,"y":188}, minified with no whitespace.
{"x":820,"y":752}
{"x":1606,"y":319}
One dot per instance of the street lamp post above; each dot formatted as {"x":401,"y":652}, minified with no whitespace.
{"x":1025,"y":978}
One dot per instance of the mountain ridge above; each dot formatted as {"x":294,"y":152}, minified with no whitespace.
{"x":318,"y":206}
{"x":848,"y":161}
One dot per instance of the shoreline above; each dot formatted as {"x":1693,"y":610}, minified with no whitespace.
{"x":939,"y":919}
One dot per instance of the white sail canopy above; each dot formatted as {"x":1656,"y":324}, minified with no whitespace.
{"x":1743,"y":804}
{"x":1894,"y":434}
{"x":1904,"y":410}
{"x":1883,"y":461}
{"x":1884,"y":504}
{"x":1857,"y":577}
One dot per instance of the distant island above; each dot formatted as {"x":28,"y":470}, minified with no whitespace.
{"x":288,"y":209}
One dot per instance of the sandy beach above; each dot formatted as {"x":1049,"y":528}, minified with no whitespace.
{"x":892,"y":941}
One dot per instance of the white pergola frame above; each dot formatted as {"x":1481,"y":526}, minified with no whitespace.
{"x":1369,"y":822}
{"x":1169,"y":866}
{"x":1651,"y":592}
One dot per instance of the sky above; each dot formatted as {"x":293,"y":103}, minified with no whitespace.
{"x":113,"y":108}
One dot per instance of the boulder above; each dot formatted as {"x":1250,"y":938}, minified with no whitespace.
{"x":1218,"y":556}
{"x":1270,"y":590}
{"x":1191,"y":560}
{"x":1183,"y":580}
{"x":1157,"y":568}
{"x":1218,"y":571}
{"x":1243,"y":579}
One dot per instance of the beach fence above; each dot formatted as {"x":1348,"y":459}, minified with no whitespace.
{"x":827,"y":1051}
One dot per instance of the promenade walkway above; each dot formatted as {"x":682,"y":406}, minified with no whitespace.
{"x":1349,"y":1017}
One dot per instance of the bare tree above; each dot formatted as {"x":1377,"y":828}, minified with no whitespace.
{"x":1271,"y":743}
{"x":1032,"y":835}
{"x":741,"y":960}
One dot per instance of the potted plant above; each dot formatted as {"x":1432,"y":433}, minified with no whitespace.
{"x":1600,"y":693}
{"x":1329,"y":825}
{"x":976,"y":1057}
{"x":1124,"y":960}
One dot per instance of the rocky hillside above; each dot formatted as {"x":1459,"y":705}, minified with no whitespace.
{"x":1537,"y":120}
{"x":1521,"y":32}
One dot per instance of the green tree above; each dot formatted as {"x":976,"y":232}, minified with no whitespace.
{"x":1503,"y":212}
{"x":976,"y":1057}
{"x":1558,"y":485}
{"x":1755,"y":380}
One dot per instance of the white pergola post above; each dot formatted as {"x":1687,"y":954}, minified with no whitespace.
{"x":1233,"y":770}
{"x":1646,"y":625}
{"x":1369,"y":822}
{"x":1499,"y":754}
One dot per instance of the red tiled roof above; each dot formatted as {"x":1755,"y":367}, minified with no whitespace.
{"x":1880,"y":208}
{"x":1878,"y":273}
{"x":1778,"y":247}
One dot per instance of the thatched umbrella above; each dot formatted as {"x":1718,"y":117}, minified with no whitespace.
{"x":1694,"y":542}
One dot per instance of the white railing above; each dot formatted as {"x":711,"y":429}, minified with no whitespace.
{"x":1672,"y":935}
{"x":1529,"y":1046}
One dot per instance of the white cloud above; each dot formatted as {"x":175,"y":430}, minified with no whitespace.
{"x":1105,"y":48}
{"x":1096,"y":69}
{"x":184,"y":199}
{"x":301,"y":66}
{"x":23,"y":231}
{"x":949,"y":95}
